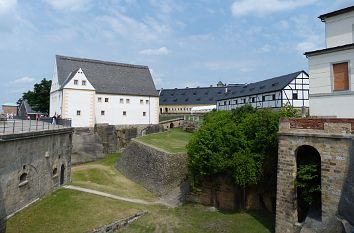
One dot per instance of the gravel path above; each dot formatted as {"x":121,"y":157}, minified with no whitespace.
{"x":103,"y":194}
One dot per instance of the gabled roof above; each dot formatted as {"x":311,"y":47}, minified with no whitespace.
{"x":335,"y":13}
{"x":265,"y":86}
{"x":108,"y":77}
{"x":28,"y":108}
{"x":191,"y":96}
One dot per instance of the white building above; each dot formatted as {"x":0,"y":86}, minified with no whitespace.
{"x":331,"y":69}
{"x":91,"y":91}
{"x":291,"y":89}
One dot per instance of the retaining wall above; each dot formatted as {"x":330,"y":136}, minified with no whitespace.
{"x":158,"y":171}
{"x":30,"y":167}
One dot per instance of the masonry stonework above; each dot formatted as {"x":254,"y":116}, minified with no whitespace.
{"x":32,"y":165}
{"x":333,"y":139}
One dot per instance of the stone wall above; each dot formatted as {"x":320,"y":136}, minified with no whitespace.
{"x":91,"y":144}
{"x":221,"y":192}
{"x":87,"y":146}
{"x":158,"y":171}
{"x":333,"y":139}
{"x":32,"y":165}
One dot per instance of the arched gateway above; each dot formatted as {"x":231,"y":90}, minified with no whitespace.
{"x":328,"y":145}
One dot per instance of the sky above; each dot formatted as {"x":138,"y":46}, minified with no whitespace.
{"x":185,"y":43}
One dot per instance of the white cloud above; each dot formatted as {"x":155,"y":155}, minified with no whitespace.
{"x":310,"y":43}
{"x":24,"y":80}
{"x":156,"y":77}
{"x":241,"y":66}
{"x":7,"y":6}
{"x":71,"y":5}
{"x":265,"y":48}
{"x":157,"y":52}
{"x":264,"y":7}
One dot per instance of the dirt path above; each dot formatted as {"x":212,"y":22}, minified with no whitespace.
{"x":103,"y":194}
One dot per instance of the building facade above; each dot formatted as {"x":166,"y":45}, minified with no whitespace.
{"x":291,"y":89}
{"x":9,"y":108}
{"x":91,"y":92}
{"x":331,"y":69}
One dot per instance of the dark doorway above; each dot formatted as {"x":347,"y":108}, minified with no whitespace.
{"x":166,"y":110}
{"x":171,"y":126}
{"x":308,"y":183}
{"x":62,"y":174}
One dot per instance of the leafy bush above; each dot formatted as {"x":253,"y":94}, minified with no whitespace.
{"x":243,"y":141}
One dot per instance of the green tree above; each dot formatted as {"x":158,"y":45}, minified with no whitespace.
{"x":39,"y":98}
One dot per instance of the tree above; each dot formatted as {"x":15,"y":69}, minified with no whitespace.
{"x":39,"y":98}
{"x":243,"y":142}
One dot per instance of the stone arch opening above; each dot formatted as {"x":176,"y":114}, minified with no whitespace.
{"x":62,"y":174}
{"x":308,"y":183}
{"x":172,"y":126}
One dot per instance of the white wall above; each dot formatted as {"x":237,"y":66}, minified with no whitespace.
{"x":321,"y":80}
{"x":339,"y":30}
{"x":79,"y":100}
{"x":113,"y":109}
{"x":56,"y":99}
{"x":332,"y":106}
{"x":323,"y":100}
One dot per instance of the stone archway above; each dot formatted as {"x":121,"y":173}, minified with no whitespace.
{"x":172,"y":126}
{"x":308,"y":183}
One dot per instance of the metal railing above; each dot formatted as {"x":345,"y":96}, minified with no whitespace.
{"x":12,"y":126}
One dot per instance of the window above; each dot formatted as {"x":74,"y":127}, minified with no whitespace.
{"x":144,"y":113}
{"x":340,"y":76}
{"x":147,"y":101}
{"x":273,"y":97}
{"x":55,"y":171}
{"x":106,"y":100}
{"x":244,"y":101}
{"x":76,"y":82}
{"x":253,"y":99}
{"x":78,"y":113}
{"x":23,"y":177}
{"x":121,"y":101}
{"x":263,"y":98}
{"x":99,"y":99}
{"x":124,"y":113}
{"x":295,"y":96}
{"x":235,"y":101}
{"x":127,"y":101}
{"x":102,"y":113}
{"x":83,"y":83}
{"x":141,"y":101}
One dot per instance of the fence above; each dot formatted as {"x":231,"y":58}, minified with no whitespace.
{"x":12,"y":126}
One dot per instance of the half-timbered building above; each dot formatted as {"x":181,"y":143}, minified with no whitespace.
{"x":291,"y":89}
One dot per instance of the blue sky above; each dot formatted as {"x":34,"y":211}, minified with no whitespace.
{"x":185,"y":43}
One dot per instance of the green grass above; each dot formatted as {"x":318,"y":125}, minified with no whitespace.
{"x":190,"y":218}
{"x":70,"y":212}
{"x":174,"y":140}
{"x":102,"y":176}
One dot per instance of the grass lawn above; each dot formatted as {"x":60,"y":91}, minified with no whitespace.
{"x":102,"y":176}
{"x":74,"y":212}
{"x":174,"y":140}
{"x":70,"y":212}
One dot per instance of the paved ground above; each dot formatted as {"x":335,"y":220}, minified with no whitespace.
{"x":23,"y":126}
{"x":103,"y":194}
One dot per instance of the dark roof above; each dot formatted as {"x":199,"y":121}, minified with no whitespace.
{"x":265,"y":86}
{"x":108,"y":77}
{"x":334,"y":13}
{"x":329,"y":50}
{"x":191,"y":96}
{"x":28,"y":108}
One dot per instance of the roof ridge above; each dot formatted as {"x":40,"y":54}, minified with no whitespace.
{"x":101,"y":62}
{"x":189,"y":88}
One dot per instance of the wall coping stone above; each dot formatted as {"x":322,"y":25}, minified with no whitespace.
{"x":34,"y":134}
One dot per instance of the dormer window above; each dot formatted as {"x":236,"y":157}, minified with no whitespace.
{"x":76,"y":82}
{"x":83,"y":82}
